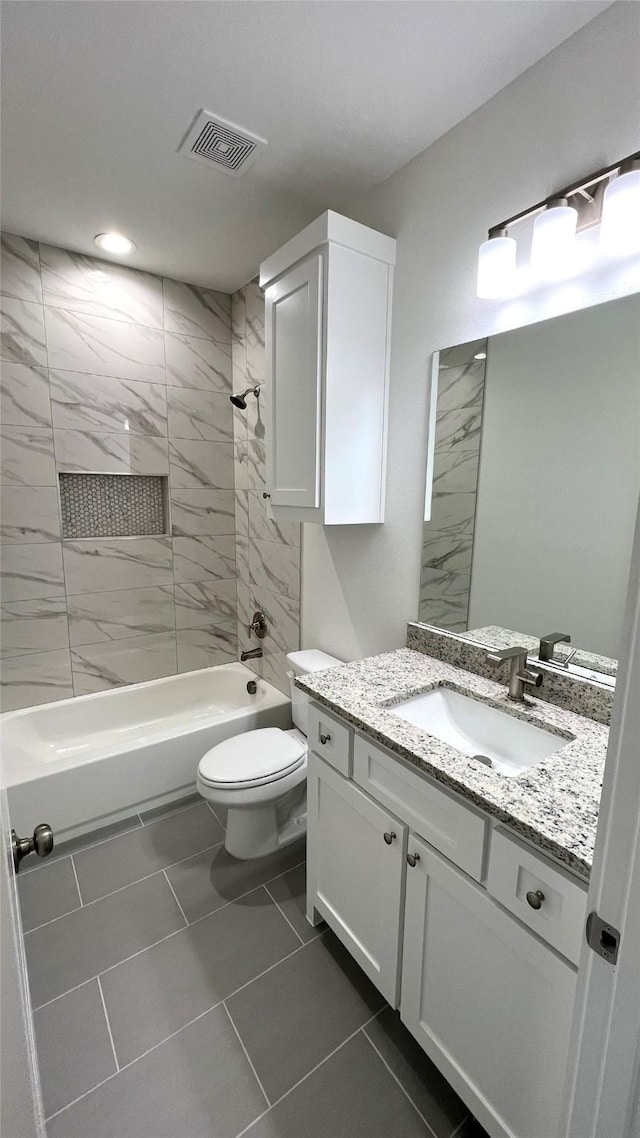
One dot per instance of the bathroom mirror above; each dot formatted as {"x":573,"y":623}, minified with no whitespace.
{"x":533,"y":476}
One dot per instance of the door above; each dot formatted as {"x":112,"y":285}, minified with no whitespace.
{"x":20,"y":1103}
{"x":356,"y":864}
{"x":293,"y":319}
{"x":488,"y":1001}
{"x":603,"y":1092}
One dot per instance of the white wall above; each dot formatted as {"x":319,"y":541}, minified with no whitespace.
{"x":576,"y":110}
{"x":559,"y":477}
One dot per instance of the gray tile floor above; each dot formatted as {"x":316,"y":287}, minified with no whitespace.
{"x":178,"y":991}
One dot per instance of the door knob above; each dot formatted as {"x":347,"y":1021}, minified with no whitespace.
{"x":389,"y":837}
{"x":413,"y":858}
{"x":535,"y":897}
{"x":41,"y":844}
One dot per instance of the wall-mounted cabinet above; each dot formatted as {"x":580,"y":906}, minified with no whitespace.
{"x":328,"y":319}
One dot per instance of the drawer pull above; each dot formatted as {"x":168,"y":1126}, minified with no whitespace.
{"x":389,"y":837}
{"x":325,"y":738}
{"x":535,"y":897}
{"x":413,"y":858}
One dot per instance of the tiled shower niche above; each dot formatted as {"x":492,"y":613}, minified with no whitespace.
{"x":113,"y":505}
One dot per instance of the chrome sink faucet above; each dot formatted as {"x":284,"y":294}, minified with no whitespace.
{"x":520,"y":676}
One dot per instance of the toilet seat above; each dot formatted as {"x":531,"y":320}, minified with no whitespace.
{"x":254,"y":758}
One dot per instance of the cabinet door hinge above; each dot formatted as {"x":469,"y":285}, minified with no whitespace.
{"x":603,"y":938}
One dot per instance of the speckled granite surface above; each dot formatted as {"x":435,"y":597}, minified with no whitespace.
{"x":583,"y":697}
{"x":554,"y":804}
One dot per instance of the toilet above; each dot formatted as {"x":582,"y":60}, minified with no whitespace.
{"x":260,"y":777}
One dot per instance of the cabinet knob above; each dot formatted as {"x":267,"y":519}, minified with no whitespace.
{"x":265,"y":495}
{"x":389,"y":837}
{"x":413,"y":858}
{"x":325,"y":738}
{"x":535,"y":897}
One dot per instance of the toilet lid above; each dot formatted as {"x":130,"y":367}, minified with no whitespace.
{"x":252,"y":758}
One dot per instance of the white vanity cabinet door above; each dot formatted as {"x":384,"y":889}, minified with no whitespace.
{"x":293,"y":337}
{"x":356,"y":866}
{"x":487,"y":1001}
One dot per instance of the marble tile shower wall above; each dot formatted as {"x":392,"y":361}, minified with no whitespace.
{"x":267,"y":552}
{"x":447,"y":545}
{"x":107,"y":369}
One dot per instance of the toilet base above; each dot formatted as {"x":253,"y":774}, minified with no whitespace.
{"x":256,"y":833}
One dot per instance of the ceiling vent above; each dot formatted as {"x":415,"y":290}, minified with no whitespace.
{"x":220,"y":144}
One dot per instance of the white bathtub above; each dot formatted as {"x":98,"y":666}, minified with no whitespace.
{"x":81,"y":763}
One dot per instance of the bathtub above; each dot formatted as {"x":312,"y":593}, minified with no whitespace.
{"x":83,"y":763}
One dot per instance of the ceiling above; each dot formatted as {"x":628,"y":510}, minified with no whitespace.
{"x":98,"y":94}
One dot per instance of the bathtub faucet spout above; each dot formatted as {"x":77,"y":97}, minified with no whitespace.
{"x":252,"y":654}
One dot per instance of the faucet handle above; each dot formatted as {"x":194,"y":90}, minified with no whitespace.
{"x":500,"y":655}
{"x":258,"y":625}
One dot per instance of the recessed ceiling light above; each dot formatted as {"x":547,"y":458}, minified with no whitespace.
{"x":480,"y":356}
{"x":115,"y":243}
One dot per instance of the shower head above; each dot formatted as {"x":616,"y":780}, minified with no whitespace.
{"x":241,"y":400}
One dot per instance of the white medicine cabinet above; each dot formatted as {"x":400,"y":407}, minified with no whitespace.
{"x":328,"y":320}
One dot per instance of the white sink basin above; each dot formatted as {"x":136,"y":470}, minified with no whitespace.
{"x":511,"y":745}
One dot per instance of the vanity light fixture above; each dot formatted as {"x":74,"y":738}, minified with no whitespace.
{"x":553,"y":242}
{"x":115,"y":243}
{"x":496,"y":265}
{"x":620,"y":230}
{"x":610,"y":198}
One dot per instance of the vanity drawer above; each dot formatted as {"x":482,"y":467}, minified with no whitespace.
{"x":456,"y":830}
{"x":330,"y":739}
{"x":515,"y":871}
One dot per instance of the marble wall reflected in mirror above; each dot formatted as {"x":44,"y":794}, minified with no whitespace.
{"x":533,"y":485}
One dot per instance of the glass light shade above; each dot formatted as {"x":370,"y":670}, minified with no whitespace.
{"x":115,"y":243}
{"x":553,"y":242}
{"x":496,"y":267}
{"x":620,"y":227}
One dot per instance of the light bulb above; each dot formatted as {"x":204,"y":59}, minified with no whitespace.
{"x":553,"y":241}
{"x":620,"y":228}
{"x":496,"y":267}
{"x":115,"y":243}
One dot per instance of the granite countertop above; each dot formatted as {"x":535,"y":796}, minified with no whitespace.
{"x":554,"y":803}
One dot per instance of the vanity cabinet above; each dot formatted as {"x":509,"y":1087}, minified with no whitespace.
{"x":327,"y":328}
{"x":358,"y":853}
{"x":489,"y":1003}
{"x":430,"y":897}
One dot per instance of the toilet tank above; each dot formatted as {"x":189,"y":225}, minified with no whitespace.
{"x":309,"y":660}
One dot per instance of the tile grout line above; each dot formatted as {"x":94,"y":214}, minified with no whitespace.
{"x":106,"y":1016}
{"x":164,"y":874}
{"x":283,"y":914}
{"x":138,"y":881}
{"x":178,"y":1030}
{"x":312,"y":1071}
{"x":161,"y":941}
{"x":247,"y":1056}
{"x":92,"y":846}
{"x":397,"y":1080}
{"x":133,"y":1062}
{"x":458,"y":1129}
{"x":269,"y":969}
{"x":147,"y":877}
{"x":75,"y":874}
